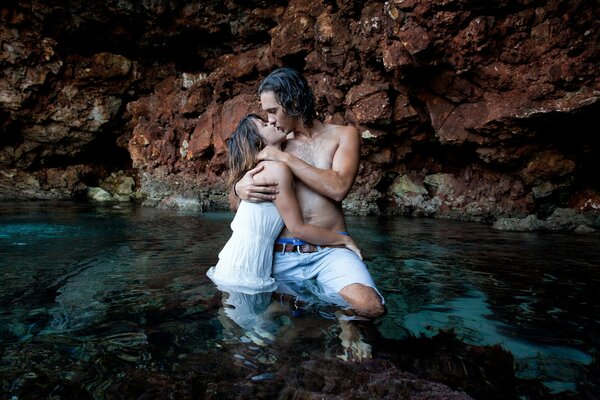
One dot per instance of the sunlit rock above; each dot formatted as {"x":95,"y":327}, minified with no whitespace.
{"x":528,"y":224}
{"x":119,"y":184}
{"x":98,"y":194}
{"x":563,"y":219}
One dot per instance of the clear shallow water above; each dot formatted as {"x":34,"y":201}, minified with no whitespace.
{"x":91,"y":296}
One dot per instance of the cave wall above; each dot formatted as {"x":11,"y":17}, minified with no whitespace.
{"x":470,"y":110}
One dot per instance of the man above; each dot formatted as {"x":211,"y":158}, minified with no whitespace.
{"x":324,"y":159}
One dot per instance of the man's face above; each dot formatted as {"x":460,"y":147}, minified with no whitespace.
{"x":275,"y":114}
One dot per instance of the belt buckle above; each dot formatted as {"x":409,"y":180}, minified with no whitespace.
{"x":310,"y":248}
{"x":283,"y":248}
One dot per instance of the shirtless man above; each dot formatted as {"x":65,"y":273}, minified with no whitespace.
{"x":324,"y":159}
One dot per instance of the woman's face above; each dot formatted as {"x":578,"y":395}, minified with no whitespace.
{"x":271,"y":135}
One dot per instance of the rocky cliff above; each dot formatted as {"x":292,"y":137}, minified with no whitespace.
{"x":470,"y":110}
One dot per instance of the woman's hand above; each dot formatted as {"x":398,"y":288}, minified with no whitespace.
{"x":350,"y":245}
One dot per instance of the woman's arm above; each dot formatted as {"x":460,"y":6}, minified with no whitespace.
{"x":287,"y":205}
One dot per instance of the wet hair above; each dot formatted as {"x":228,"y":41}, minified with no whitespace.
{"x":243,"y":146}
{"x":292,"y":93}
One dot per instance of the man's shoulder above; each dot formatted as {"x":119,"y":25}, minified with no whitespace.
{"x":340,"y":130}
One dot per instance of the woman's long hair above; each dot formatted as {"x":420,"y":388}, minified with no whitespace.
{"x":243,"y":146}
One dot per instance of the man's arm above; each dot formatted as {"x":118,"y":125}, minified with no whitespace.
{"x":334,"y":183}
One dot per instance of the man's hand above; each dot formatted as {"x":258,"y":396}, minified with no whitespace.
{"x":248,"y":189}
{"x":270,"y":153}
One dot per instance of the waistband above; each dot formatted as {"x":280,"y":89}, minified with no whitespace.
{"x":299,"y":242}
{"x":296,"y":248}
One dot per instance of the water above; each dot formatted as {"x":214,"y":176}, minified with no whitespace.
{"x":100,"y":301}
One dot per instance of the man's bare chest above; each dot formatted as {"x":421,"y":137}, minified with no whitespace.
{"x":318,"y":153}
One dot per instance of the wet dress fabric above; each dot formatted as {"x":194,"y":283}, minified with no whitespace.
{"x":246,"y":262}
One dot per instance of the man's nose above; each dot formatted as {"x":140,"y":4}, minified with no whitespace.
{"x":271,"y":119}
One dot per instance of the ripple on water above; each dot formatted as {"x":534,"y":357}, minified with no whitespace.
{"x":101,"y":301}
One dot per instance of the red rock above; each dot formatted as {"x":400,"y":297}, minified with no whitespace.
{"x":415,"y":39}
{"x":547,"y":165}
{"x":196,"y":100}
{"x":372,"y":109}
{"x":201,"y":139}
{"x":586,"y":200}
{"x":292,"y":36}
{"x":403,"y":112}
{"x":103,"y":66}
{"x":324,"y":27}
{"x":395,"y":55}
{"x":440,"y":87}
{"x":382,"y":157}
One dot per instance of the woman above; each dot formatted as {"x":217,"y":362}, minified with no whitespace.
{"x":245,"y":263}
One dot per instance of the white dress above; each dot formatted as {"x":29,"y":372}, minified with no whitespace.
{"x":246,"y":262}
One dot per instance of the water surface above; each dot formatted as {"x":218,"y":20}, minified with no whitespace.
{"x":92,"y":297}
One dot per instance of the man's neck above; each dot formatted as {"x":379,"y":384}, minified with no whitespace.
{"x":309,"y":132}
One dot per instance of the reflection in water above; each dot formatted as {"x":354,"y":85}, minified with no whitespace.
{"x":471,"y":317}
{"x":529,"y":292}
{"x":95,"y":300}
{"x":251,"y":313}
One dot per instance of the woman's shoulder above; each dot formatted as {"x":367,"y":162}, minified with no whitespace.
{"x":276,"y":169}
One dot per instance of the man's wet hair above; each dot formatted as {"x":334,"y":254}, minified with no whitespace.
{"x":292,"y":93}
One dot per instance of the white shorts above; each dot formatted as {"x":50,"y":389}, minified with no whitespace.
{"x":334,"y":268}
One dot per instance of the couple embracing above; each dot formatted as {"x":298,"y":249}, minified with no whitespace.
{"x":289,"y":174}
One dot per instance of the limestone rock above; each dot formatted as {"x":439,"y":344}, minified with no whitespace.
{"x":562,"y":219}
{"x":119,"y":184}
{"x":98,"y":194}
{"x":528,"y":224}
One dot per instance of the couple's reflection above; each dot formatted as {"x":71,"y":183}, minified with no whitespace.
{"x":249,"y":316}
{"x":284,"y":315}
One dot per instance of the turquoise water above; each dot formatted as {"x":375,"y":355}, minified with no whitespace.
{"x":92,"y":297}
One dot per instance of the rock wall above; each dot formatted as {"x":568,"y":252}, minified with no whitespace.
{"x":468,"y":110}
